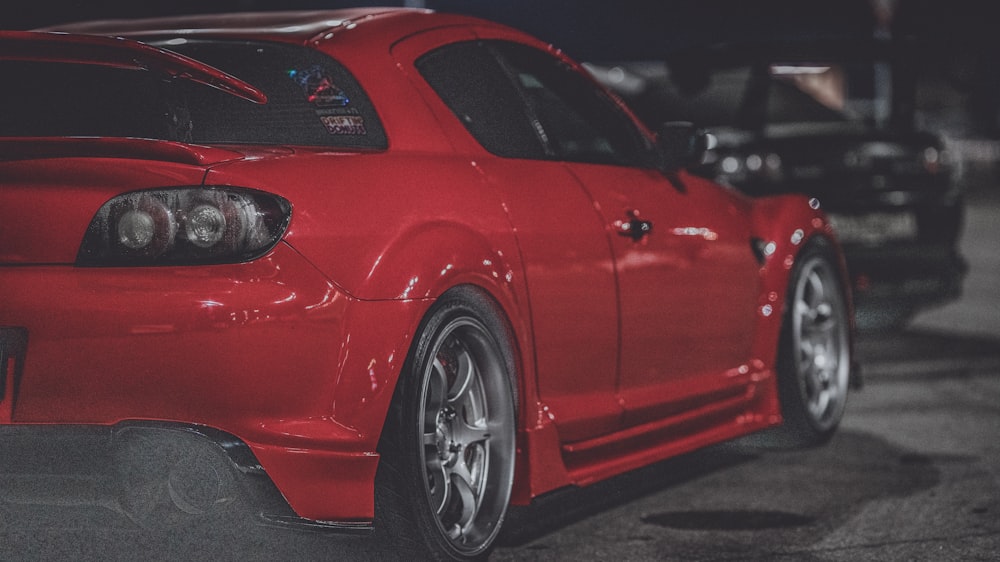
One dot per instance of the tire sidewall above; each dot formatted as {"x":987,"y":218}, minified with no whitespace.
{"x":800,"y":427}
{"x":403,"y":448}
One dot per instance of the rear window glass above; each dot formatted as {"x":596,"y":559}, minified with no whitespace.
{"x":312,"y":100}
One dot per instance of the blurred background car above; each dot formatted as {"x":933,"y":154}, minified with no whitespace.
{"x":834,"y":119}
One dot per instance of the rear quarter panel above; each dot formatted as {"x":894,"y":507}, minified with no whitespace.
{"x":390,"y":226}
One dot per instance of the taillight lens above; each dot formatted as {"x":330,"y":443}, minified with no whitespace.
{"x":184,"y":226}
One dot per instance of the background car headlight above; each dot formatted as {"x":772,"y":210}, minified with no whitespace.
{"x":184,"y":226}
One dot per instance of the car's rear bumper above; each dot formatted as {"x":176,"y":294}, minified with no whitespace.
{"x":268,"y":351}
{"x":154,"y":475}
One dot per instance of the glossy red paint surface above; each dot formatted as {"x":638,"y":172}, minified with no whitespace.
{"x":629,"y":351}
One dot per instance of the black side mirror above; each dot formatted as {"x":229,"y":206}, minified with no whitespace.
{"x":681,"y":144}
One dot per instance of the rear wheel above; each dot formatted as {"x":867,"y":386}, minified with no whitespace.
{"x":814,"y":354}
{"x":447,"y":466}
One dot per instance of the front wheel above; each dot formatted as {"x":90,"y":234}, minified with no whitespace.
{"x":814,"y":353}
{"x":447,"y":451}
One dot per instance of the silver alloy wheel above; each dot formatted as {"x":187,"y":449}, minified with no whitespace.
{"x":820,"y":342}
{"x":467,"y":417}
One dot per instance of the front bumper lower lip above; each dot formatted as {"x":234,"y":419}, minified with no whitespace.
{"x":158,"y":475}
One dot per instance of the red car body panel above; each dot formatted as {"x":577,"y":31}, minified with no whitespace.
{"x":298,"y":353}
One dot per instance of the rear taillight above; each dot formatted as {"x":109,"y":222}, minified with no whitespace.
{"x":184,"y":226}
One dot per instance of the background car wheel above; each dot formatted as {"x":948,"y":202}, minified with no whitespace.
{"x":814,"y":353}
{"x":447,"y":450}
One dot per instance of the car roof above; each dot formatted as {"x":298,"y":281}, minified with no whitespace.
{"x":312,"y":27}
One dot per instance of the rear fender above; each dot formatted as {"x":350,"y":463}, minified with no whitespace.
{"x":427,"y":259}
{"x":423,"y":262}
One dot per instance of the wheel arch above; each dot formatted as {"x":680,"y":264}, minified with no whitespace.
{"x":784,"y":226}
{"x":484,"y":298}
{"x":424,"y":260}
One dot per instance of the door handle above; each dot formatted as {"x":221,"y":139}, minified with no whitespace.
{"x":634,"y":227}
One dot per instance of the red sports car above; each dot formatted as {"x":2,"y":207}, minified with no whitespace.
{"x":382,"y":267}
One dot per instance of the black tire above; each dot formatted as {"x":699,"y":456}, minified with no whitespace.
{"x":447,"y":450}
{"x":814,"y":352}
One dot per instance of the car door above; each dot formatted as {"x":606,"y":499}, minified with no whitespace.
{"x":686,"y":271}
{"x":561,"y":236}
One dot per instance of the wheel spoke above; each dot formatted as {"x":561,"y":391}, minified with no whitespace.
{"x":810,"y":348}
{"x":820,"y":322}
{"x":430,"y":439}
{"x":815,"y":289}
{"x":820,"y":403}
{"x":436,"y":391}
{"x":811,"y":381}
{"x":802,"y":310}
{"x":466,"y":485}
{"x":469,"y":434}
{"x":465,"y":376}
{"x":439,"y":485}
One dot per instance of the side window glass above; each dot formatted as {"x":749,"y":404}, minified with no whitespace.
{"x":471,"y":82}
{"x":579,"y":121}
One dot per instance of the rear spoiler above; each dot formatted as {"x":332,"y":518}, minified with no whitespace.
{"x":119,"y":53}
{"x":19,"y":148}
